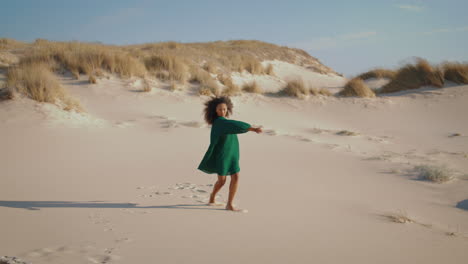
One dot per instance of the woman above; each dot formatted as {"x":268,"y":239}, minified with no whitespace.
{"x":222,"y":156}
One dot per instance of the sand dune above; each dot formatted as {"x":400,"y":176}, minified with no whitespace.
{"x":330,"y":180}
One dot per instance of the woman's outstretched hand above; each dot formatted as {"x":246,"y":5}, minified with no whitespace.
{"x":256,"y":129}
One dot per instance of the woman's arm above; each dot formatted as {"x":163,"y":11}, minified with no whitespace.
{"x":256,"y":129}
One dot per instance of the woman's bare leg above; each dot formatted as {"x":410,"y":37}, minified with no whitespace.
{"x":232,"y":191}
{"x":219,"y":183}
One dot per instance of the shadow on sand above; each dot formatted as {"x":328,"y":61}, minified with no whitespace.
{"x":463,"y":204}
{"x":37,"y":205}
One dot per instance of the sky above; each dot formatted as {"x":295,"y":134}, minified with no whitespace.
{"x":349,"y":36}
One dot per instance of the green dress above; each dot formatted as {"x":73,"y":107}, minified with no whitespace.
{"x":222,"y":156}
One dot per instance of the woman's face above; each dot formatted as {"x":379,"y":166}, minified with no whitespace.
{"x":221,"y":109}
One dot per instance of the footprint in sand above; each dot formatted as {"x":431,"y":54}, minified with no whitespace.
{"x":12,"y":260}
{"x":299,"y":137}
{"x":96,"y":218}
{"x":102,"y":258}
{"x":315,"y":130}
{"x":194,"y":124}
{"x":167,"y":122}
{"x":197,"y":192}
{"x":123,"y":240}
{"x":124,"y":124}
{"x":65,"y":254}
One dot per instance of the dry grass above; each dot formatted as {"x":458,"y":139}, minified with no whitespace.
{"x":230,"y":88}
{"x":229,"y":56}
{"x":7,"y":58}
{"x":251,"y":64}
{"x":146,"y":85}
{"x":84,"y":58}
{"x":321,"y":91}
{"x":326,"y":92}
{"x":210,"y":67}
{"x":8,"y":44}
{"x":438,"y":174}
{"x":252,"y":87}
{"x":295,"y":88}
{"x":377,"y":73}
{"x":456,"y":72}
{"x":200,"y":76}
{"x":92,"y":79}
{"x":208,"y":90}
{"x":173,"y":86}
{"x":175,"y":67}
{"x":75,"y":74}
{"x":356,"y":87}
{"x":208,"y":85}
{"x":166,"y":60}
{"x":415,"y":76}
{"x":269,"y":70}
{"x":36,"y":81}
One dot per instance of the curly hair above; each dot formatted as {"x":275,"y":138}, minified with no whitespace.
{"x":210,"y":108}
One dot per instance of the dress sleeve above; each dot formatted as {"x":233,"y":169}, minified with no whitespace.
{"x":226,"y":126}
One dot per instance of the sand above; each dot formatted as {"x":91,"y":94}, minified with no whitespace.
{"x":119,"y":184}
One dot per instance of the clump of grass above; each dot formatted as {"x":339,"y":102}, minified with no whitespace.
{"x":400,"y":217}
{"x":209,"y":90}
{"x":224,"y":79}
{"x":36,"y":81}
{"x":295,"y":88}
{"x":162,"y":75}
{"x":210,"y":67}
{"x":377,"y":73}
{"x":92,"y":79}
{"x":456,"y":72}
{"x":356,"y":87}
{"x":99,"y":73}
{"x":321,"y":91}
{"x":7,"y":59}
{"x":252,"y":65}
{"x":76,"y":74}
{"x":207,"y":84}
{"x":438,"y":174}
{"x":230,"y":89}
{"x":252,"y":87}
{"x":174,"y":86}
{"x":269,"y":70}
{"x":325,"y":92}
{"x":199,"y":76}
{"x":146,"y":85}
{"x":173,"y":65}
{"x":415,"y":76}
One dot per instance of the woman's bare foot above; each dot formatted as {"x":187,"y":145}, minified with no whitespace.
{"x":231,"y":208}
{"x":212,"y":201}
